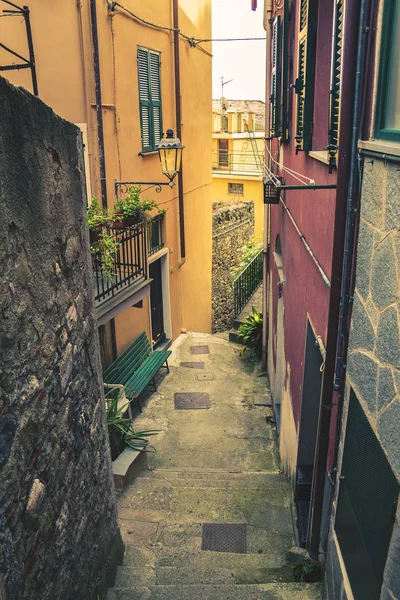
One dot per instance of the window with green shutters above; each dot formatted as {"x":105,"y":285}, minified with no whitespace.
{"x":149,"y":75}
{"x":276,"y":69}
{"x":334,"y":92}
{"x":285,"y":73}
{"x":304,"y":84}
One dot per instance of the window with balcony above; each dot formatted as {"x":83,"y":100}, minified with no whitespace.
{"x":149,"y":78}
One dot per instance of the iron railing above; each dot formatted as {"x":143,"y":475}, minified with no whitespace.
{"x":130,"y":265}
{"x":155,"y":234}
{"x":247,"y":282}
{"x":229,"y":162}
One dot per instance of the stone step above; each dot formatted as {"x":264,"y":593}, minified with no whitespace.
{"x":189,"y":555}
{"x":134,"y":576}
{"x":260,"y":507}
{"x":256,"y":480}
{"x":233,"y":336}
{"x":268,"y":591}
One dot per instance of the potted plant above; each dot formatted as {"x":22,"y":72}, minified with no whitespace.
{"x":120,"y":428}
{"x":250,"y":332}
{"x":132,"y":209}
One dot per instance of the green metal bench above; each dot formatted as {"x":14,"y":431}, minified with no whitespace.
{"x":136,"y":367}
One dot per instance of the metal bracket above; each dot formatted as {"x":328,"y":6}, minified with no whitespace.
{"x":123,"y":186}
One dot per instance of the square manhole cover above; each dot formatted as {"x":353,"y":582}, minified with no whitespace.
{"x":199,"y":350}
{"x":206,"y":376}
{"x":224,"y":538}
{"x":193,"y":365}
{"x":191,"y":400}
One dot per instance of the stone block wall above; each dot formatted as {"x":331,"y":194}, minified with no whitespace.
{"x":58,"y":522}
{"x":233,"y":226}
{"x":373,"y":363}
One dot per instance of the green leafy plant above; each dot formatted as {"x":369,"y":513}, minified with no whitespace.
{"x":131,"y":205}
{"x":98,"y":216}
{"x":248,"y":252}
{"x":120,"y":428}
{"x":308,"y":571}
{"x":250,"y":332}
{"x":104,"y":250}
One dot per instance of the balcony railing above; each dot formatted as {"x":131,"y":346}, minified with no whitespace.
{"x":241,"y":162}
{"x":155,"y":234}
{"x":130,"y":265}
{"x":247,"y":282}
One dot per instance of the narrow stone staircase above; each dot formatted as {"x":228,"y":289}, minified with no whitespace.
{"x":212,"y":466}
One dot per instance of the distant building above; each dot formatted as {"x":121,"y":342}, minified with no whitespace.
{"x":238,"y":153}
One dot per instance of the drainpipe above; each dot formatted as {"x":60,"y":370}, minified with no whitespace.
{"x":344,"y":243}
{"x":266,"y":250}
{"x":99,"y":105}
{"x":178,"y":119}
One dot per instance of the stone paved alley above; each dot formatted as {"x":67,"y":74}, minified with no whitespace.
{"x":216,"y":465}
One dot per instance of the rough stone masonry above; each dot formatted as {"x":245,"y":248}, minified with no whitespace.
{"x":58,"y":523}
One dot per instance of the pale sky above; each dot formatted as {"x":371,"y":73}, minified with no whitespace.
{"x":244,"y":62}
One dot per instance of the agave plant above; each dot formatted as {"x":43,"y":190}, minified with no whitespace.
{"x":120,"y":429}
{"x":250,"y":332}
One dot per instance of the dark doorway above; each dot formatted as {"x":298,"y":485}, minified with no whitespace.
{"x":156,"y":302}
{"x":312,"y":383}
{"x":223,"y":158}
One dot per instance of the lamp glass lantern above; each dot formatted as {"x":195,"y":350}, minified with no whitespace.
{"x":170,"y":153}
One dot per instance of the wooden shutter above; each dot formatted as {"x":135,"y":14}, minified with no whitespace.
{"x":304,"y":85}
{"x":285,"y":74}
{"x":334,"y":92}
{"x":149,"y":98}
{"x":276,"y":68}
{"x":155,"y":88}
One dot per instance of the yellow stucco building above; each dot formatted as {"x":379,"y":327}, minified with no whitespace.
{"x":238,"y":154}
{"x":123,"y":74}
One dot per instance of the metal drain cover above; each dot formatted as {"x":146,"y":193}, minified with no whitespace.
{"x":191,"y":400}
{"x":224,"y":538}
{"x":206,"y":376}
{"x":193,"y":365}
{"x":199,"y":350}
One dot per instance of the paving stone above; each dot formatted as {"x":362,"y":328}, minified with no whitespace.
{"x":384,"y":275}
{"x":388,"y":338}
{"x":364,"y":257}
{"x":199,"y":350}
{"x":362,"y":334}
{"x":386,"y":389}
{"x":363,"y":372}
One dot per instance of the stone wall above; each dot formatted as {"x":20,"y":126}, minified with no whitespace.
{"x":58,"y":522}
{"x":373,"y":364}
{"x":233,"y":226}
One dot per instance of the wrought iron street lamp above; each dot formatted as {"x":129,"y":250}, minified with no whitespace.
{"x":170,"y":153}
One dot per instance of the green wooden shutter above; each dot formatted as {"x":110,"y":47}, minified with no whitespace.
{"x":285,"y":73}
{"x":276,"y":67}
{"x":304,"y":85}
{"x":149,"y":98}
{"x":155,"y":94}
{"x":334,"y":92}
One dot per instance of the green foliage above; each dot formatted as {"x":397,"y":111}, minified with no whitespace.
{"x":105,"y":250}
{"x":132,"y":205}
{"x":308,"y":571}
{"x":120,"y":429}
{"x":98,"y":216}
{"x":248,"y":252}
{"x":250,"y":332}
